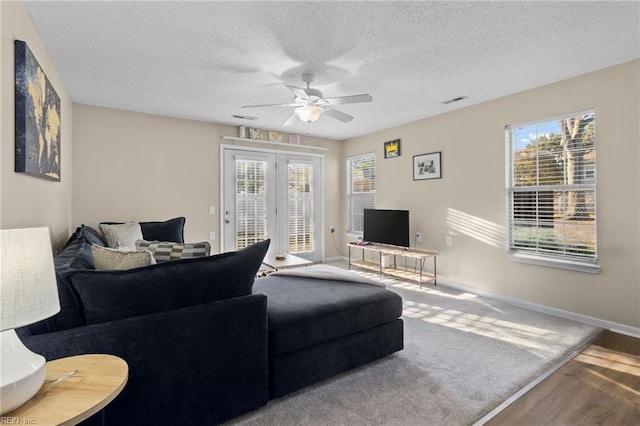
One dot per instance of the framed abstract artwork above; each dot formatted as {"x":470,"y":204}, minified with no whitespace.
{"x":37,"y":115}
{"x":427,"y":166}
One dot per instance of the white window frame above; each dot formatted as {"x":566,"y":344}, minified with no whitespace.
{"x":537,"y":256}
{"x":301,"y":224}
{"x":368,"y":199}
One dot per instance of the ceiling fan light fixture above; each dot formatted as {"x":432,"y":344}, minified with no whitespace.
{"x":309,"y":113}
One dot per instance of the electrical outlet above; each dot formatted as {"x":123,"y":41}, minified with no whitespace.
{"x":332,"y":229}
{"x":212,"y":235}
{"x":418,"y":236}
{"x":448,"y":240}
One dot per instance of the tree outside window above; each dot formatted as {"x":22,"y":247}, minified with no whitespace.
{"x":551,"y":188}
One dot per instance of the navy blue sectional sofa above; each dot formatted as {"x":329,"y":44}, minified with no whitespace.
{"x":203,"y":341}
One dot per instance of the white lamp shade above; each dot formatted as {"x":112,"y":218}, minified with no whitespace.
{"x":309,"y":113}
{"x":28,"y":290}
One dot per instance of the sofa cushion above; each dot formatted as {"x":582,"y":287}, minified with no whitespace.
{"x":169,"y":230}
{"x":70,"y":315}
{"x":164,"y":251}
{"x":122,"y":234}
{"x":306,"y":311}
{"x":75,"y":255}
{"x":110,"y":295}
{"x":114,"y":259}
{"x":89,"y":234}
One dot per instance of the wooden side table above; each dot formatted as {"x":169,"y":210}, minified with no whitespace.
{"x":97,"y":381}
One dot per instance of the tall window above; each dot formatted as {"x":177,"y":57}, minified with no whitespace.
{"x":300,"y":203}
{"x":551,"y":191}
{"x":361,"y":189}
{"x":251,"y":216}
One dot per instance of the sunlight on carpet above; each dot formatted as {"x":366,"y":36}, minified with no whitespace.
{"x":508,"y":331}
{"x":463,"y":356}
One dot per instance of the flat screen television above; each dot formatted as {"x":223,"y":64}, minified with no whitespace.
{"x":386,"y":227}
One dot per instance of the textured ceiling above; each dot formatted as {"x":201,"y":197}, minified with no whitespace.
{"x":204,"y":60}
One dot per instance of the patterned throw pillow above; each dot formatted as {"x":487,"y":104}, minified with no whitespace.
{"x":108,"y":258}
{"x":164,"y":251}
{"x":122,"y":235}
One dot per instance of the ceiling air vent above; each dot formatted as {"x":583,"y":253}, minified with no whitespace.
{"x":244,"y":117}
{"x":458,"y":99}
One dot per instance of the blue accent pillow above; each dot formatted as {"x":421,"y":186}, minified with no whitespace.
{"x":169,"y":230}
{"x":75,"y":255}
{"x":87,"y":233}
{"x":110,"y":295}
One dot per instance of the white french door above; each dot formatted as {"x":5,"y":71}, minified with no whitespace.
{"x":249,"y":202}
{"x":272,"y":195}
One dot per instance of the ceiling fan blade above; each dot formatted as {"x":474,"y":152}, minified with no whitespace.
{"x":299,"y":92}
{"x":269,"y":105}
{"x":289,"y":121}
{"x":338,"y":115}
{"x":353,"y":99}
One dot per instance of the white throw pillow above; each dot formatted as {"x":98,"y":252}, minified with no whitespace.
{"x":108,"y":258}
{"x":122,"y":235}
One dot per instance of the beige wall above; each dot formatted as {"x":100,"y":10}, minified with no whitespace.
{"x":27,"y":201}
{"x":137,"y":166}
{"x":469,"y":201}
{"x":134,"y":166}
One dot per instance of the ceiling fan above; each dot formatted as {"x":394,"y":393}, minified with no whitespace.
{"x":310,"y":104}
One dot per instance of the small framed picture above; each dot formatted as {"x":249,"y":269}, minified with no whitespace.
{"x":392,"y":149}
{"x":275,"y":136}
{"x":294,"y":139}
{"x":256,"y":134}
{"x":427,"y":166}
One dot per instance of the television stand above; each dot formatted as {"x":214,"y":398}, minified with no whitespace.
{"x":419,"y":257}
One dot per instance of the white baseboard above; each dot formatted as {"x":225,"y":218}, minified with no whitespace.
{"x":597,"y":322}
{"x":335,"y":259}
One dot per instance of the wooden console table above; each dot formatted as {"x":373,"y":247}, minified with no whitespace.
{"x":420,"y":256}
{"x":68,"y":399}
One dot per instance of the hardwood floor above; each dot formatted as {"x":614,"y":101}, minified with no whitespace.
{"x":600,"y":386}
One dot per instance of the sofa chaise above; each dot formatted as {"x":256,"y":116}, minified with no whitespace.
{"x":203,"y":341}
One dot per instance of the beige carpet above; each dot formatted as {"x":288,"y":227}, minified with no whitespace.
{"x":463,"y":356}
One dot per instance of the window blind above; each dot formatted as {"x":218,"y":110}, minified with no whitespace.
{"x":251,"y":211}
{"x":361,"y":190}
{"x":551,"y":188}
{"x":300,"y":207}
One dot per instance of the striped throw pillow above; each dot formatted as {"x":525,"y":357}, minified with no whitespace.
{"x":164,"y":251}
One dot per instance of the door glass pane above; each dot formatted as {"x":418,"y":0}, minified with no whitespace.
{"x":251,"y":194}
{"x":300,"y":207}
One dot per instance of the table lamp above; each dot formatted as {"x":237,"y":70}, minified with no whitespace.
{"x":28,"y":293}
